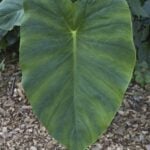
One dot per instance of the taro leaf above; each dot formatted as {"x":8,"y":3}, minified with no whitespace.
{"x":77,"y":60}
{"x":136,"y":8}
{"x":147,"y":7}
{"x":11,"y":14}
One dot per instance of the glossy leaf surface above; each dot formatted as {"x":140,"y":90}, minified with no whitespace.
{"x":77,"y":60}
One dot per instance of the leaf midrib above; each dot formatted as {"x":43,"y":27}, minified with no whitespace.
{"x":74,"y":38}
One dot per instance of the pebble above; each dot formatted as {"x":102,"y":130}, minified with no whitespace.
{"x":26,"y":107}
{"x":2,"y":111}
{"x":4,"y":129}
{"x":148,"y":147}
{"x":97,"y":147}
{"x":33,"y":148}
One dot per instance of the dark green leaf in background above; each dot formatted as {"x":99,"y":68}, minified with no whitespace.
{"x":147,"y":7}
{"x":11,"y":14}
{"x":136,"y":8}
{"x":77,"y":60}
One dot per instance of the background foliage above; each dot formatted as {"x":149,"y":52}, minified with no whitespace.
{"x":11,"y":15}
{"x":141,"y":28}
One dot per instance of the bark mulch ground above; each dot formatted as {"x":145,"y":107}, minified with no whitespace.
{"x":20,"y":129}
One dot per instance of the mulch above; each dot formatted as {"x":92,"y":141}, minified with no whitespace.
{"x":21,"y":130}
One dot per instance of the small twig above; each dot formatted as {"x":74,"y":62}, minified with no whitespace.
{"x":12,"y":86}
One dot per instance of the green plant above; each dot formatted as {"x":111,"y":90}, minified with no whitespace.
{"x":11,"y":15}
{"x":101,"y":79}
{"x":10,"y":38}
{"x":77,"y":61}
{"x":141,"y":25}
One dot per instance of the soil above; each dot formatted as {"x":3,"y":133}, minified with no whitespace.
{"x":21,"y":130}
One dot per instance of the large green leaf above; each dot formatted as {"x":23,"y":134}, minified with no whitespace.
{"x":77,"y":60}
{"x":11,"y":14}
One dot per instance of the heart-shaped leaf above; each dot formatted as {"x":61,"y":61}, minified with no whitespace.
{"x":77,"y":60}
